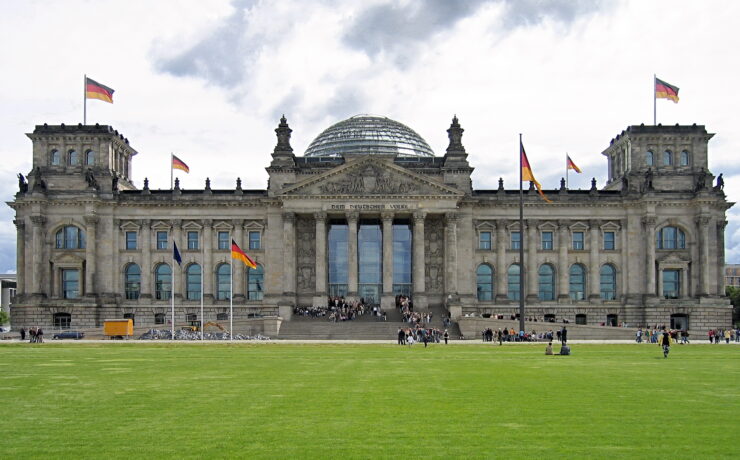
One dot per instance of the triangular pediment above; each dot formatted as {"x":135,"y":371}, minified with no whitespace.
{"x":370,"y":177}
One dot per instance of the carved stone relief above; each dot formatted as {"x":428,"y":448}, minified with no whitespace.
{"x":434,"y":254}
{"x":305,"y":254}
{"x":369,"y":180}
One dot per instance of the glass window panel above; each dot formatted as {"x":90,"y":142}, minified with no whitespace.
{"x":223,"y":282}
{"x":130,"y":240}
{"x":684,"y":158}
{"x":609,"y":241}
{"x":255,"y":278}
{"x":254,"y":240}
{"x":133,"y":282}
{"x":402,"y":257}
{"x":370,"y":253}
{"x":671,"y":284}
{"x":56,"y":158}
{"x":484,"y":276}
{"x":578,"y":241}
{"x":484,"y":240}
{"x":89,"y":157}
{"x":608,"y":281}
{"x":192,"y":280}
{"x":192,"y":240}
{"x":74,"y":158}
{"x":338,"y":257}
{"x":577,"y":282}
{"x":546,"y":283}
{"x":223,"y":240}
{"x":163,"y":282}
{"x":649,"y":158}
{"x":513,"y":282}
{"x":516,"y":240}
{"x":70,"y":284}
{"x":547,"y":241}
{"x":161,"y":240}
{"x":667,"y":158}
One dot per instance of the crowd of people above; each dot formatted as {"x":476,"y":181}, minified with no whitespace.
{"x":35,"y":334}
{"x":728,"y":335}
{"x":510,"y":335}
{"x":418,"y":334}
{"x":340,"y":309}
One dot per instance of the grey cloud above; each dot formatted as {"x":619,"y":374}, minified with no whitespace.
{"x":346,"y":101}
{"x":531,"y":12}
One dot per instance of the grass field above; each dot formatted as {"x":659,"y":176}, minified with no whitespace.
{"x":361,"y":401}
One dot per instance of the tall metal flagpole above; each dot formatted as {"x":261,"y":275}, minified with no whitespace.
{"x":231,"y":300}
{"x":203,"y":263}
{"x":172,"y":296}
{"x":521,"y":239}
{"x":655,"y":104}
{"x":172,"y":171}
{"x":566,"y":169}
{"x":84,"y":99}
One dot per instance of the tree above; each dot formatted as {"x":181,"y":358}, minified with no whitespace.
{"x":4,"y":317}
{"x":733,"y":292}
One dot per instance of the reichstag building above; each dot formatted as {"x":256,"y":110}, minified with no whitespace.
{"x":369,"y":210}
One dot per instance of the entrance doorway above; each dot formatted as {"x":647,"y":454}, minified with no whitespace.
{"x":680,"y":321}
{"x":612,"y":320}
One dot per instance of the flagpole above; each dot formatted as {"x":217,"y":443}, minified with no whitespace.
{"x":566,"y":169}
{"x":84,"y":100}
{"x":655,"y":104}
{"x":521,"y":239}
{"x":231,"y":300}
{"x":172,"y":171}
{"x":172,"y":297}
{"x":202,"y":270}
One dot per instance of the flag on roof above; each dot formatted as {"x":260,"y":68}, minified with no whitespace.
{"x":665,"y":90}
{"x":95,"y":90}
{"x":179,"y":164}
{"x":572,"y":165}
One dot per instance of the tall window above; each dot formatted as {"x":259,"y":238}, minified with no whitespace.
{"x":608,"y":277}
{"x":223,"y":240}
{"x":402,"y":255}
{"x":671,"y":284}
{"x":192,"y":280}
{"x":254,"y":240}
{"x":130,"y":240}
{"x":70,"y":283}
{"x":513,"y":280}
{"x":684,"y":158}
{"x":484,"y":240}
{"x":161,"y":240}
{"x":546,"y":282}
{"x":255,"y":278}
{"x":516,"y":240}
{"x":192,"y":240}
{"x":70,"y":237}
{"x":56,"y":158}
{"x":89,"y":158}
{"x":370,"y":261}
{"x":132,"y":282}
{"x":163,"y":282}
{"x":578,"y":241}
{"x":337,"y":249}
{"x":223,"y":282}
{"x":484,"y":275}
{"x":73,"y":158}
{"x":649,"y":158}
{"x":609,"y":241}
{"x":547,"y":239}
{"x":667,"y":158}
{"x":671,"y":238}
{"x":577,"y":282}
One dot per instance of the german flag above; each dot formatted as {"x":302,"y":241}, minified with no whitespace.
{"x":179,"y":164}
{"x":527,"y":174}
{"x":572,"y":165}
{"x":237,"y":253}
{"x":664,"y":90}
{"x":94,"y":90}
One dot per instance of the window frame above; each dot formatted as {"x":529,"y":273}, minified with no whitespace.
{"x":131,"y":240}
{"x":132,"y":282}
{"x":193,"y":239}
{"x":544,"y":242}
{"x":515,"y":239}
{"x":226,"y":242}
{"x":483,"y":243}
{"x":162,"y":244}
{"x":254,"y":244}
{"x":255,"y":283}
{"x":608,"y":288}
{"x":606,"y":240}
{"x":484,"y":283}
{"x":578,"y":241}
{"x":573,"y":283}
{"x":71,"y":288}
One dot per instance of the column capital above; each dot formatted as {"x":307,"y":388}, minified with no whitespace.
{"x":38,"y":220}
{"x":93,"y":220}
{"x":387,"y":216}
{"x":237,"y":223}
{"x":20,"y":224}
{"x":564,"y":225}
{"x":702,"y":220}
{"x":353,"y":216}
{"x":594,"y":224}
{"x":649,"y":221}
{"x":320,"y":216}
{"x":289,"y":217}
{"x":176,"y":223}
{"x":451,"y":218}
{"x":419,"y":217}
{"x":207,"y":223}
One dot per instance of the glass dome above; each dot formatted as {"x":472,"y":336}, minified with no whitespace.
{"x":363,"y":134}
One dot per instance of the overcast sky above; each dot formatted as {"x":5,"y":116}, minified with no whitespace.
{"x":209,"y":80}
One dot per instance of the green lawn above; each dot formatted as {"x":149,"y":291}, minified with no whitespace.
{"x":359,"y":401}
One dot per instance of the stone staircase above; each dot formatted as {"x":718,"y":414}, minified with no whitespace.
{"x":365,"y":327}
{"x":472,"y":328}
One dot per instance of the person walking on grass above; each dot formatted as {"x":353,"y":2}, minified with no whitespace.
{"x":23,"y":334}
{"x":446,"y":336}
{"x":665,"y":342}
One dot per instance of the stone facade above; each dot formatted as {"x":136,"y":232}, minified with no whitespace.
{"x":648,"y":248}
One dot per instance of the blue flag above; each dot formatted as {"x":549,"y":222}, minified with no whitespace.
{"x":176,"y":254}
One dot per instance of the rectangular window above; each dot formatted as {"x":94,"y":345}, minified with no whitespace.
{"x":254,"y":240}
{"x":578,"y":241}
{"x":223,"y":240}
{"x":130,"y":240}
{"x":161,"y":240}
{"x":671,"y":284}
{"x":547,"y":241}
{"x":70,"y":284}
{"x":609,"y":241}
{"x":192,"y":240}
{"x":484,"y":240}
{"x":516,"y":240}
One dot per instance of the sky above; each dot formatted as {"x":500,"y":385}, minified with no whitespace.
{"x":209,"y":80}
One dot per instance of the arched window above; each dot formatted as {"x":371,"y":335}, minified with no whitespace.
{"x":132,"y":281}
{"x":56,"y":158}
{"x":484,"y":276}
{"x":608,"y":277}
{"x":89,"y":157}
{"x":162,"y":282}
{"x":192,"y":282}
{"x":546,"y":282}
{"x":62,"y":320}
{"x":255,"y":278}
{"x":223,"y":282}
{"x":577,"y":282}
{"x":73,"y":158}
{"x":684,"y":158}
{"x":513,"y":280}
{"x":649,"y":158}
{"x":667,"y":158}
{"x":70,"y":237}
{"x":671,"y":238}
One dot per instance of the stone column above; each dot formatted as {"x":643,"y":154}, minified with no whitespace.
{"x":594,"y":282}
{"x":352,"y":219}
{"x":418,"y":261}
{"x":206,"y":269}
{"x":720,"y":263}
{"x":289,"y":257}
{"x":649,"y":223}
{"x":702,"y":226}
{"x":20,"y":256}
{"x":500,"y":269}
{"x":91,"y":254}
{"x":387,"y":299}
{"x":451,"y":253}
{"x":319,"y":298}
{"x":37,"y":245}
{"x":239,"y":268}
{"x":146,"y":259}
{"x":684,"y":291}
{"x":531,"y":265}
{"x":563,"y":268}
{"x":177,"y":276}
